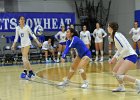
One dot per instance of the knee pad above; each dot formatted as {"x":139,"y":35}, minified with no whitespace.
{"x":24,"y":59}
{"x":81,"y":71}
{"x":59,"y":53}
{"x":71,"y":70}
{"x":119,"y":77}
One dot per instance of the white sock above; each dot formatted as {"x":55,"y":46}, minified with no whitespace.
{"x":85,"y":81}
{"x":102,"y":53}
{"x":137,"y":81}
{"x":46,"y":59}
{"x":97,"y":52}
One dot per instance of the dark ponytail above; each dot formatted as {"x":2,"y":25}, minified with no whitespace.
{"x":114,"y":27}
{"x":74,"y":33}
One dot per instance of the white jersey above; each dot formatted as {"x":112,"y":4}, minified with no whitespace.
{"x":99,"y":34}
{"x":24,"y":35}
{"x":124,"y":49}
{"x":61,"y":36}
{"x":85,"y":37}
{"x":135,"y":34}
{"x":46,"y":46}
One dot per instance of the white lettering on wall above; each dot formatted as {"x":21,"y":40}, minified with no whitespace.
{"x":6,"y":23}
{"x":47,"y":23}
{"x":37,"y":21}
{"x":54,"y":23}
{"x":29,"y":22}
{"x":0,"y":24}
{"x":13,"y":23}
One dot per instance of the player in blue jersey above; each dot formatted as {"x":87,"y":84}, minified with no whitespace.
{"x":80,"y":61}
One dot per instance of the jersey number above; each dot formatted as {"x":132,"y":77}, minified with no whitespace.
{"x":22,"y":34}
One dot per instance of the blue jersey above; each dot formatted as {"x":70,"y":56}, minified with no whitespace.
{"x":77,"y":43}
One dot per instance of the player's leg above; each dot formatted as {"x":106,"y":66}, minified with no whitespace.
{"x":139,"y":46}
{"x":121,"y":75}
{"x":134,"y":45}
{"x":59,"y":52}
{"x":52,"y":52}
{"x":26,"y":63}
{"x":110,"y":50}
{"x":46,"y":56}
{"x":101,"y":50}
{"x":63,"y":47}
{"x":82,"y":70}
{"x":71,"y":71}
{"x":97,"y":51}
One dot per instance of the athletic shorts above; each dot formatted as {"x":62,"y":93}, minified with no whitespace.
{"x":132,"y":58}
{"x":62,"y":43}
{"x":87,"y":53}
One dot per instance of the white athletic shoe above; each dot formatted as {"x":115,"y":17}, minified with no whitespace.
{"x":47,"y":61}
{"x":90,"y":60}
{"x":64,"y":83}
{"x":109,"y":59}
{"x":57,"y":60}
{"x":54,"y":60}
{"x":84,"y":85}
{"x":119,"y":89}
{"x":101,"y":60}
{"x":96,"y":59}
{"x":138,"y":86}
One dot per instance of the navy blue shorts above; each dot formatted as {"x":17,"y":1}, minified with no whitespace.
{"x":132,"y":58}
{"x":62,"y":43}
{"x":88,"y":53}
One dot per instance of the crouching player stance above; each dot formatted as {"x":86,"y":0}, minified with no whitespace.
{"x":81,"y":60}
{"x":126,"y":57}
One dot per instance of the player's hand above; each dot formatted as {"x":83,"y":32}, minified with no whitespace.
{"x":13,"y":47}
{"x":62,"y":60}
{"x":101,"y":37}
{"x":113,"y":60}
{"x":39,"y":44}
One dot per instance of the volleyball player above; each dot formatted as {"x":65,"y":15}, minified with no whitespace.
{"x":126,"y":57}
{"x":73,"y":50}
{"x":47,"y":47}
{"x":99,"y":34}
{"x":81,"y":60}
{"x":85,"y":36}
{"x":135,"y":32}
{"x":61,"y":37}
{"x":24,"y":31}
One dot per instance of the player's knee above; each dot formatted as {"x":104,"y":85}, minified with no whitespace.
{"x":72,"y":70}
{"x":119,"y":77}
{"x":81,"y":71}
{"x":25,"y":60}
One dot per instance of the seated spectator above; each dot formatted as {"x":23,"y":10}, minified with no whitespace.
{"x":47,"y":47}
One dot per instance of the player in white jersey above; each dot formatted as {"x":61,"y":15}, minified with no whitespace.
{"x":61,"y":37}
{"x":99,"y":34}
{"x":85,"y":36}
{"x":135,"y":32}
{"x":24,"y":31}
{"x":126,"y":57}
{"x":47,"y":47}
